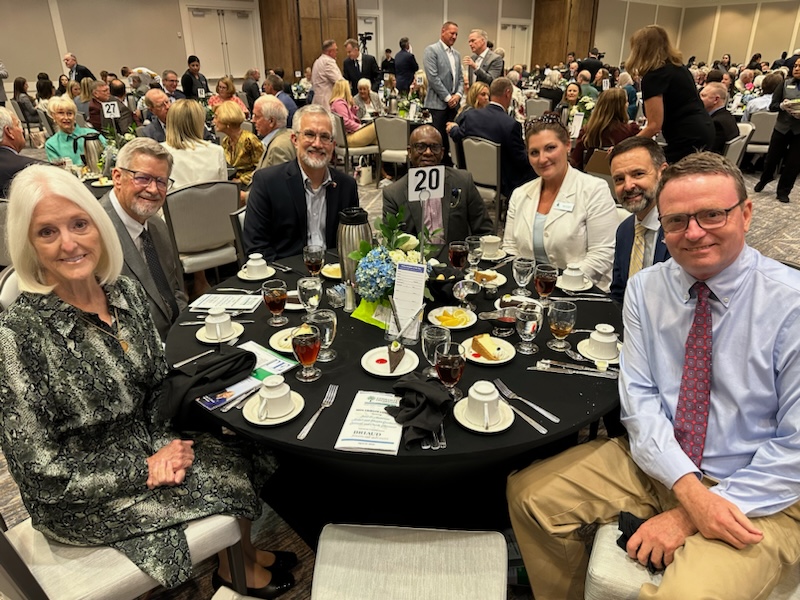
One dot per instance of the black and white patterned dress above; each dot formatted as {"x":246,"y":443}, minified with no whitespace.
{"x":77,"y":421}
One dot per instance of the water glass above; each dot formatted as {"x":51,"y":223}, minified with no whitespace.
{"x":544,"y":280}
{"x":529,"y":322}
{"x":562,"y":316}
{"x":325,"y":321}
{"x":314,"y":258}
{"x":274,"y":294}
{"x":451,"y":358}
{"x":523,"y":271}
{"x":475,"y":252}
{"x":309,"y":291}
{"x":306,"y":343}
{"x":432,"y":336}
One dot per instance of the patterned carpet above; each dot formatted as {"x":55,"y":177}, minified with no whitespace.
{"x":775,"y":232}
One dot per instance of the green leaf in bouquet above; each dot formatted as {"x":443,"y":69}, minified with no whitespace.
{"x":355,"y":255}
{"x":364,"y":247}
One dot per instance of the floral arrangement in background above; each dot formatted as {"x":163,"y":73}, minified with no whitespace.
{"x":585,"y":105}
{"x":114,"y":142}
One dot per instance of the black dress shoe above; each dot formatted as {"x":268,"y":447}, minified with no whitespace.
{"x":280,"y":583}
{"x":783,"y":198}
{"x":760,"y":185}
{"x":283,"y":560}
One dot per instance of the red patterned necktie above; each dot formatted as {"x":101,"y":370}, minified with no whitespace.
{"x":691,"y":414}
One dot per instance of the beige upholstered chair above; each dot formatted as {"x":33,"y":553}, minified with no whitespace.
{"x":45,"y":123}
{"x":237,"y":224}
{"x":199,"y":224}
{"x":599,"y":166}
{"x":35,"y":568}
{"x":5,"y":258}
{"x":734,"y":149}
{"x":482,"y":159}
{"x":392,"y":142}
{"x":764,"y":123}
{"x":9,"y":290}
{"x":613,"y":576}
{"x":23,"y":120}
{"x":344,"y":151}
{"x":361,"y":562}
{"x":536,"y":107}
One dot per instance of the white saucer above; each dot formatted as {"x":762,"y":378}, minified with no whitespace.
{"x":507,"y":352}
{"x":587,"y":285}
{"x":506,"y":418}
{"x":282,"y":340}
{"x":293,"y":305}
{"x":108,"y":183}
{"x":328,"y":273}
{"x":501,"y":254}
{"x":242,"y":274}
{"x":518,"y":299}
{"x":583,"y":348}
{"x":371,"y":366}
{"x":471,"y":316}
{"x":498,"y":281}
{"x":250,"y":411}
{"x":201,"y":336}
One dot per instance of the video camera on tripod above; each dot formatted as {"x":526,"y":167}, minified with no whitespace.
{"x":363,"y":38}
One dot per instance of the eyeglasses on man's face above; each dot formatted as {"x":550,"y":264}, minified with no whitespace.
{"x":710,"y":218}
{"x":421,"y":147}
{"x":143,"y":180}
{"x":309,"y":136}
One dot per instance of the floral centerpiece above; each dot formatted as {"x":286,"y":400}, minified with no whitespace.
{"x":114,"y":142}
{"x":585,"y":105}
{"x":402,"y":107}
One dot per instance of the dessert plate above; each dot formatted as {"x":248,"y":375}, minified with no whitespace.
{"x":507,"y":352}
{"x":376,"y":362}
{"x":471,"y":316}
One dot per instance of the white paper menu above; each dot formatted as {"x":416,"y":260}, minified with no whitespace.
{"x":409,"y":290}
{"x":368,"y":427}
{"x":230,"y":302}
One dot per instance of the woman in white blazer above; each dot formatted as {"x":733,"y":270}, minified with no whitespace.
{"x":564,"y":216}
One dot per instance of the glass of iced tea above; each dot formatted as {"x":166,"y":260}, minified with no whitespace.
{"x":451,"y":358}
{"x":306,"y":343}
{"x":314,"y":258}
{"x":544,"y":280}
{"x":561,"y":316}
{"x":274,"y":294}
{"x":459,"y":251}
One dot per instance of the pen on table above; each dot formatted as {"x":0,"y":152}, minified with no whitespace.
{"x":181,"y":363}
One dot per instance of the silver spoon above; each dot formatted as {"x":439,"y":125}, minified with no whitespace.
{"x":576,"y":356}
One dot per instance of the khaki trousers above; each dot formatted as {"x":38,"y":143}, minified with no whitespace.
{"x":363,"y":136}
{"x":592,"y":483}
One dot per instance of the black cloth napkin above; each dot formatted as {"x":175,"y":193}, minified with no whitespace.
{"x":442,"y":289}
{"x":628,"y":524}
{"x":422,"y":407}
{"x":206,"y":375}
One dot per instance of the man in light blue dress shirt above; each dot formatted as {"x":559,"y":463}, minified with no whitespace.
{"x":727,"y":528}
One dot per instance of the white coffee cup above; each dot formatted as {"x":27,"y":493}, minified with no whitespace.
{"x":490,"y":245}
{"x":275,"y":398}
{"x":483,"y":404}
{"x":573,"y":278}
{"x":218,"y":324}
{"x":603,"y":342}
{"x":256,"y":266}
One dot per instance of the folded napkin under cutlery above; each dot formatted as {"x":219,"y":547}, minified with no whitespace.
{"x":423,"y":405}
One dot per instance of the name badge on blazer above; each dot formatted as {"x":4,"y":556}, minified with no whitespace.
{"x":565,"y":206}
{"x":791,"y":87}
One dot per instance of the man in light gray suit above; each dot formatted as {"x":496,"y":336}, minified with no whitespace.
{"x":442,"y":66}
{"x":484,"y":65}
{"x":141,"y":180}
{"x":270,"y":118}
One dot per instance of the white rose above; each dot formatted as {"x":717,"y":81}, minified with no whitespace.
{"x":410,"y":244}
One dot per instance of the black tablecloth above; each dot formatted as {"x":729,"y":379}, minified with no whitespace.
{"x":577,"y":400}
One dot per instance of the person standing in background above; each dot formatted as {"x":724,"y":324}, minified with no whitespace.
{"x":193,"y":80}
{"x":405,"y":65}
{"x":3,"y":75}
{"x":442,"y":66}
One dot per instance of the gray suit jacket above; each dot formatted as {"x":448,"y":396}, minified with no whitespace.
{"x":440,"y":76}
{"x":136,"y":268}
{"x":491,"y":68}
{"x":154,"y":130}
{"x":467,"y":217}
{"x":279,"y":151}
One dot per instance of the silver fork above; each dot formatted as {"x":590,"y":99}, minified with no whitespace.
{"x":241,"y":290}
{"x":571,"y":293}
{"x":507,"y":392}
{"x":330,"y":396}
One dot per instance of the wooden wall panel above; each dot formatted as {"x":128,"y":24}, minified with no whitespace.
{"x":774,"y":29}
{"x":560,"y":26}
{"x":732,"y":21}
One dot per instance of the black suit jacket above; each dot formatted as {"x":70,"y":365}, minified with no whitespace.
{"x":494,"y":124}
{"x":12,"y":163}
{"x":467,"y":217}
{"x":276,"y":224}
{"x":593,"y":65}
{"x":725,"y":129}
{"x":135,"y":267}
{"x":80,"y":72}
{"x":250,"y":87}
{"x":405,"y":65}
{"x":622,"y":256}
{"x":369,"y":69}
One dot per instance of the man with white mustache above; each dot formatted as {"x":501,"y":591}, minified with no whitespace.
{"x":636,"y":167}
{"x":141,"y":181}
{"x":297,"y":203}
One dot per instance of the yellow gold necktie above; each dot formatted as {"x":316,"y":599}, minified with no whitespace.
{"x":637,"y":252}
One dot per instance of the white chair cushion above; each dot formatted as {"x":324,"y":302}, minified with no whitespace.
{"x":72,"y":572}
{"x":488,"y":194}
{"x":393,"y":563}
{"x":613,"y":576}
{"x":362,"y":151}
{"x":394,"y":156}
{"x":192,"y":263}
{"x":757,"y":148}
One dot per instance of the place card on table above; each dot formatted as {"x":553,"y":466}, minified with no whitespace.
{"x":368,"y":427}
{"x":409,"y":291}
{"x":246,"y":303}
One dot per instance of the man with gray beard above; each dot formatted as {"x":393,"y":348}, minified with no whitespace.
{"x":141,"y":180}
{"x":297,"y":203}
{"x":636,"y":167}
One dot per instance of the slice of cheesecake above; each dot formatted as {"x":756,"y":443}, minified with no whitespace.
{"x":396,"y":353}
{"x":485,"y":346}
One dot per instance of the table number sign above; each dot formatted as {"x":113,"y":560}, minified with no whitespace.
{"x":425,"y":183}
{"x":110,"y":110}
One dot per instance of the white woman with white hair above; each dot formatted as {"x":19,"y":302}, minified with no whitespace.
{"x":81,"y":367}
{"x":517,"y":98}
{"x":367,"y":101}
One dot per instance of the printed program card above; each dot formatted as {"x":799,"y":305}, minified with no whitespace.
{"x":409,"y":290}
{"x":245,"y":303}
{"x":368,"y":427}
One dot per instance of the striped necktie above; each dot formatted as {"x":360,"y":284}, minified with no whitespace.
{"x":637,"y":252}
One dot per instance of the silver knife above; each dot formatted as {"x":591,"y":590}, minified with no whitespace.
{"x":563,"y":371}
{"x":584,"y":298}
{"x":187,"y":323}
{"x":526,"y":418}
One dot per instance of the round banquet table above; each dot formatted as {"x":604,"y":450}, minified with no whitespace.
{"x":460,"y":486}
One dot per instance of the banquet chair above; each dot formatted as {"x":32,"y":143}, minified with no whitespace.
{"x":482,"y":159}
{"x":23,"y":120}
{"x":33,"y":567}
{"x":343,"y":149}
{"x":611,"y":575}
{"x":5,"y":257}
{"x":536,"y":107}
{"x":764,"y":123}
{"x":599,"y":166}
{"x":9,"y":290}
{"x":247,"y":126}
{"x":237,"y":224}
{"x":392,"y":142}
{"x":365,"y":562}
{"x":199,"y":225}
{"x":243,"y":97}
{"x":745,"y":128}
{"x":81,"y":120}
{"x":734,"y":149}
{"x":45,"y":123}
